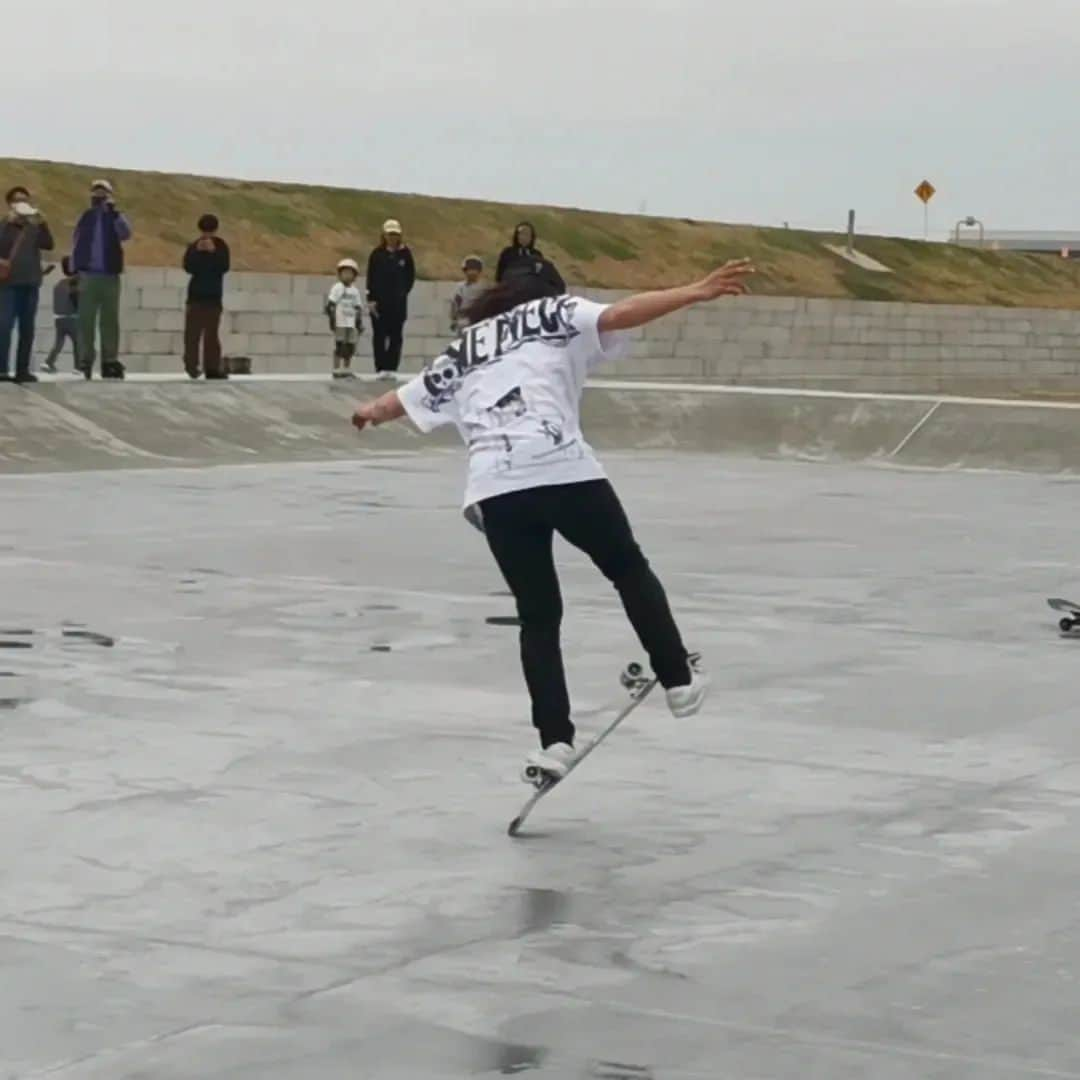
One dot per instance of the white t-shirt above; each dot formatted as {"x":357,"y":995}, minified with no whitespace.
{"x":513,"y":386}
{"x":347,"y":301}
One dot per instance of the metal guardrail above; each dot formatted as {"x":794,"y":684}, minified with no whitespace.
{"x":1057,"y":243}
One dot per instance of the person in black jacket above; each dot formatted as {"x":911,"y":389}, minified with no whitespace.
{"x":391,"y":275}
{"x":522,"y":257}
{"x":24,"y":235}
{"x":207,"y":261}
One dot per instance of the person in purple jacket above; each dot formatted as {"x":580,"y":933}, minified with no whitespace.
{"x":98,"y":258}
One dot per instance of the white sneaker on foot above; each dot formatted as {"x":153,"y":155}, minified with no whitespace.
{"x":684,"y":701}
{"x":554,"y":762}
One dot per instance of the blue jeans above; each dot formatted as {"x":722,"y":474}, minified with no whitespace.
{"x":18,"y":308}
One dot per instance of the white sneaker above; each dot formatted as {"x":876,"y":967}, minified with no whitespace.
{"x":554,"y":762}
{"x":684,"y":701}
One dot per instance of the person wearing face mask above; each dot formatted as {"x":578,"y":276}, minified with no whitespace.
{"x":24,"y":234}
{"x":98,"y":257}
{"x":391,"y":275}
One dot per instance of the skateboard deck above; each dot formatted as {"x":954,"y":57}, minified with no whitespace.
{"x":639,"y":685}
{"x":1071,"y":618}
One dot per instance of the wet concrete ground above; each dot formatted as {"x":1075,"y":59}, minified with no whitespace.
{"x":259,"y":750}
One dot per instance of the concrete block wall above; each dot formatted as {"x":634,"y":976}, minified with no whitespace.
{"x":904,"y":348}
{"x":277,"y":320}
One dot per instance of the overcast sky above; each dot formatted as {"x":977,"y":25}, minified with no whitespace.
{"x":759,"y":111}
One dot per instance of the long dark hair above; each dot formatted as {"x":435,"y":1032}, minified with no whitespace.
{"x":531,"y":245}
{"x":508,"y":294}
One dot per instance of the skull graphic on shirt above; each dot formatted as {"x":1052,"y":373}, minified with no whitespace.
{"x":442,"y":380}
{"x":549,"y":321}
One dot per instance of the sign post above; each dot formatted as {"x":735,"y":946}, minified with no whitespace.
{"x":924,"y":193}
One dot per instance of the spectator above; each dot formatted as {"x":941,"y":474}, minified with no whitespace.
{"x":550,"y":273}
{"x":24,"y":235}
{"x":466,"y":292}
{"x":65,"y":316}
{"x":523,"y":257}
{"x":207,"y":261}
{"x":391,"y":275}
{"x":345,"y":310}
{"x":98,"y":258}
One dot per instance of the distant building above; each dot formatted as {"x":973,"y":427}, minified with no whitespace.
{"x":1030,"y":241}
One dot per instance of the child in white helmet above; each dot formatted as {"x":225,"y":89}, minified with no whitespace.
{"x":345,"y":310}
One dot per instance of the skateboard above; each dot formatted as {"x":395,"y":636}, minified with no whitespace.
{"x":1071,"y":619}
{"x":639,"y":684}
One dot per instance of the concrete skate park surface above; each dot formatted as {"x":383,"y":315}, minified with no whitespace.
{"x":164,"y":421}
{"x":260,"y":745}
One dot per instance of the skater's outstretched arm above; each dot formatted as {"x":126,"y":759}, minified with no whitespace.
{"x":729,"y":280}
{"x":379,"y":411}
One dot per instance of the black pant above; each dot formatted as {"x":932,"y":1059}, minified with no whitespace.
{"x":520,"y":528}
{"x":387,"y":329}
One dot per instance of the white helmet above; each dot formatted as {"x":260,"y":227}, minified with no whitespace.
{"x":348,"y":264}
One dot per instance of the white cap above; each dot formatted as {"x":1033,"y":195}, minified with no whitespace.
{"x":104,"y":185}
{"x":349,"y":264}
{"x":391,"y":226}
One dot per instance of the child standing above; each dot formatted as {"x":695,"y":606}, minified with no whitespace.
{"x":466,"y":292}
{"x":65,"y":315}
{"x":345,"y":309}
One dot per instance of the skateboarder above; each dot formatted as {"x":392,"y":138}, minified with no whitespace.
{"x":512,"y":384}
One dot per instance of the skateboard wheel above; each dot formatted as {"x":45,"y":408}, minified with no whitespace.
{"x":532,"y":772}
{"x":1066,"y":625}
{"x":635,"y":671}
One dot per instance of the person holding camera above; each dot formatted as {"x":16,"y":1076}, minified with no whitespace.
{"x":98,"y":257}
{"x":207,"y":260}
{"x":24,"y":235}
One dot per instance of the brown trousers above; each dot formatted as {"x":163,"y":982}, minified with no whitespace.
{"x":202,"y":324}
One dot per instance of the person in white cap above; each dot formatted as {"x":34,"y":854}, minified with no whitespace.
{"x":98,"y":257}
{"x":345,"y":310}
{"x":24,"y":234}
{"x":512,"y":385}
{"x":391,"y":275}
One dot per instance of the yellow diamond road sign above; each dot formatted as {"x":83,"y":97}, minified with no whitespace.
{"x":925,"y":191}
